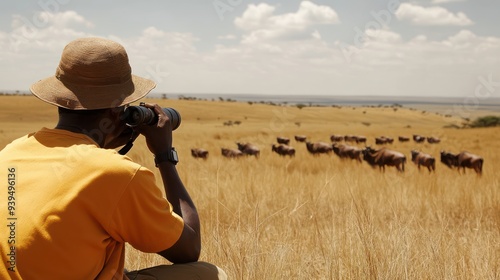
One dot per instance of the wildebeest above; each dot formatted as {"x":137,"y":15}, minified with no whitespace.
{"x":383,"y":157}
{"x":231,"y":153}
{"x":318,"y":148}
{"x":283,"y":140}
{"x":360,"y":139}
{"x":403,"y":139}
{"x":199,"y":153}
{"x":423,"y":159}
{"x":350,"y":138}
{"x":433,"y":140}
{"x":346,"y":151}
{"x":300,"y":138}
{"x":248,"y":149}
{"x":469,"y":160}
{"x":463,"y":160}
{"x":283,"y":150}
{"x":383,"y":140}
{"x":336,"y":138}
{"x":449,"y":159}
{"x":418,"y":138}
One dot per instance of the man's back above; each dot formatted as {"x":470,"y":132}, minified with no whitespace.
{"x":73,"y":208}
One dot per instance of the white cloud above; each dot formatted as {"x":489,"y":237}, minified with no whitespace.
{"x":153,"y":32}
{"x":45,"y":31}
{"x":316,"y":34}
{"x":263,"y":24}
{"x":419,"y":15}
{"x":383,"y":35}
{"x":255,"y":17}
{"x":155,"y":46}
{"x":44,"y":19}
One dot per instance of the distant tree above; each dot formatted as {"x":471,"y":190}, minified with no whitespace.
{"x":300,"y":105}
{"x":487,"y":121}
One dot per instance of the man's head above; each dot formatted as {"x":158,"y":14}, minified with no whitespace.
{"x":94,"y":73}
{"x":92,"y":85}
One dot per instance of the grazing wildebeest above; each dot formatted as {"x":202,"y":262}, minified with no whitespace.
{"x":346,"y":151}
{"x":360,"y":139}
{"x":300,"y":138}
{"x":426,"y":160}
{"x":231,"y":153}
{"x":283,"y":140}
{"x":403,"y":139}
{"x":389,"y":140}
{"x":199,"y":153}
{"x":284,"y":150}
{"x":350,"y":138}
{"x":248,"y":149}
{"x":449,"y":159}
{"x":418,"y":138}
{"x":383,"y":140}
{"x":433,"y":140}
{"x":463,"y":160}
{"x":336,"y":138}
{"x":383,"y":157}
{"x":380,"y":140}
{"x":469,"y":160}
{"x":318,"y":148}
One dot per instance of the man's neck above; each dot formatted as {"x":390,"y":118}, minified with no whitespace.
{"x":86,"y":130}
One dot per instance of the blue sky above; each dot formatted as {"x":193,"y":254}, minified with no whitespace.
{"x":357,"y":47}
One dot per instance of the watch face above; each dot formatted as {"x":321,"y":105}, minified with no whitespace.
{"x":174,"y":156}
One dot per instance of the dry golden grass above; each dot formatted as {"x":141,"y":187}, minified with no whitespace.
{"x":320,"y":217}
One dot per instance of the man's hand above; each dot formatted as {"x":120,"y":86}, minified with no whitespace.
{"x":159,"y":136}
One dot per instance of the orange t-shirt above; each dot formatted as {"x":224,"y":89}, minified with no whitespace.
{"x":70,"y":206}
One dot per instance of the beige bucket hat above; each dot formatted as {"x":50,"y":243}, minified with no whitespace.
{"x":94,"y":73}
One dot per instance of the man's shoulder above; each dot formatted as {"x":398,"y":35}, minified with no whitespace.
{"x":112,"y":159}
{"x":17,"y":141}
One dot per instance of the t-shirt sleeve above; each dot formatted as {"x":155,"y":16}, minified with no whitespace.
{"x":144,"y":217}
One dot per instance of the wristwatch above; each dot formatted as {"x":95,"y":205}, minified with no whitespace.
{"x":167,"y":156}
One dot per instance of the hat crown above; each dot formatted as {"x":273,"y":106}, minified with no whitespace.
{"x":93,"y":73}
{"x":94,"y":62}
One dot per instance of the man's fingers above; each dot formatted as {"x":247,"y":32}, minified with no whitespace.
{"x":162,"y":117}
{"x":155,"y":107}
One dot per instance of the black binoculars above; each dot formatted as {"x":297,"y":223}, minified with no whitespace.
{"x":141,"y":115}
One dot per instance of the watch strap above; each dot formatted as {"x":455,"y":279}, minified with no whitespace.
{"x":170,"y":155}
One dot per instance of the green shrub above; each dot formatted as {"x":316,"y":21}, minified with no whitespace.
{"x":487,"y":121}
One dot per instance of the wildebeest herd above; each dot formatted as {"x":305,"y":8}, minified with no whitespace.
{"x":380,"y":157}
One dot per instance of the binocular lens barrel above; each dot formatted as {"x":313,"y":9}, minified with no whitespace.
{"x":140,"y":115}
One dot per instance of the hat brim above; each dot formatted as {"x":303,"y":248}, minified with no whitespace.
{"x":79,"y":97}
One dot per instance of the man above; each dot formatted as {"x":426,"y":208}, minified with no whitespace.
{"x":73,"y":201}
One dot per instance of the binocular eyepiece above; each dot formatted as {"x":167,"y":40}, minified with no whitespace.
{"x":141,"y":115}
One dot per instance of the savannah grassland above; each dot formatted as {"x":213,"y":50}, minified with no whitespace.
{"x":319,"y":217}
